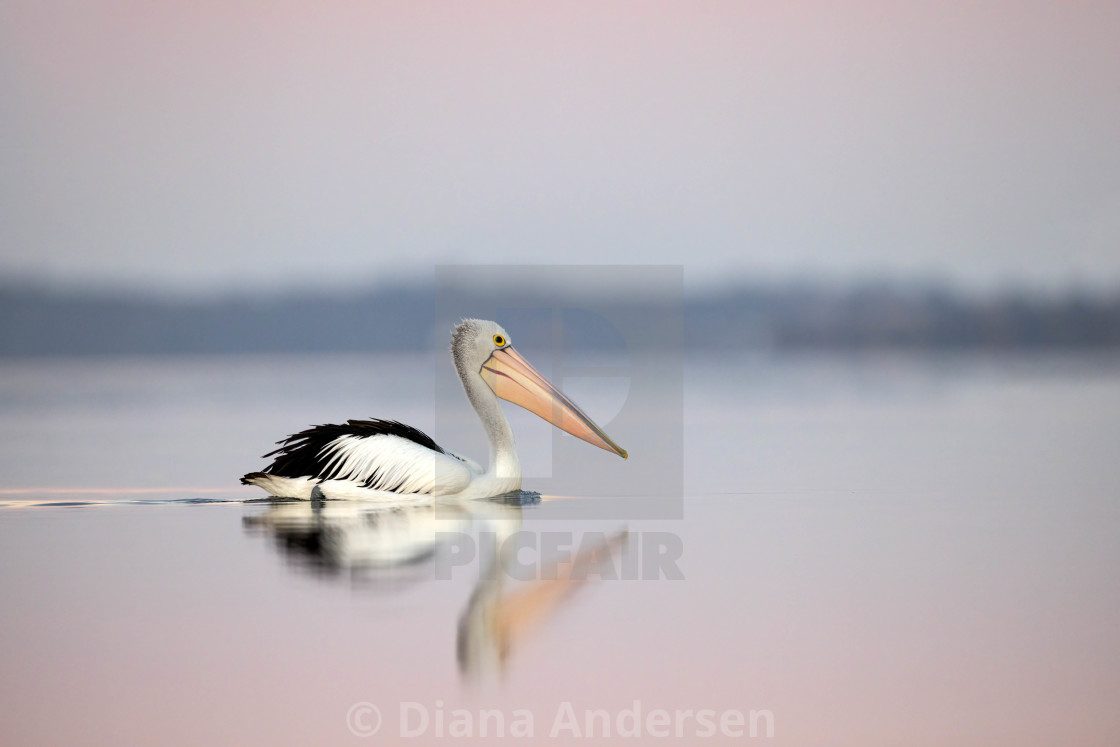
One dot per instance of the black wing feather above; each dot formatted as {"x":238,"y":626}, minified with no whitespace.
{"x":301,"y":454}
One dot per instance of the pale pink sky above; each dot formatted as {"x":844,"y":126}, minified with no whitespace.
{"x":192,"y":145}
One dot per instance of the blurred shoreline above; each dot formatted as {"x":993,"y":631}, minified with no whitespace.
{"x":37,"y":322}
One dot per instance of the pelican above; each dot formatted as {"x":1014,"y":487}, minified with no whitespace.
{"x":387,"y":460}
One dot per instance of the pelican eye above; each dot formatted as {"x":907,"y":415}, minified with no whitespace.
{"x":499,"y":340}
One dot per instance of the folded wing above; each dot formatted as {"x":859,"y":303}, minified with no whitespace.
{"x":381,"y":455}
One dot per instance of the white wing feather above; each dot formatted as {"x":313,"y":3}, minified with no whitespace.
{"x":387,"y":462}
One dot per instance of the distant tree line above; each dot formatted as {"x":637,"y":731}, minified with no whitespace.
{"x":37,"y":322}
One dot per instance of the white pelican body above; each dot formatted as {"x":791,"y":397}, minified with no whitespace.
{"x":384,"y":459}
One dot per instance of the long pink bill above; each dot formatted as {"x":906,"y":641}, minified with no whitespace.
{"x":512,"y":378}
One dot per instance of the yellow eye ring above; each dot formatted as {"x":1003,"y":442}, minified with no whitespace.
{"x":499,"y":340}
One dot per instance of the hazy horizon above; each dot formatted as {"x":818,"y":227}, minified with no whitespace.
{"x":695,"y":287}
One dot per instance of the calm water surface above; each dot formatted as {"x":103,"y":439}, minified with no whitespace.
{"x":874,"y":550}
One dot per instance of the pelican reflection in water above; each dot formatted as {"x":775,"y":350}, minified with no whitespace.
{"x":395,"y":543}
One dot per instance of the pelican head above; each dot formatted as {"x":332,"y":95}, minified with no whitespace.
{"x":482,"y":350}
